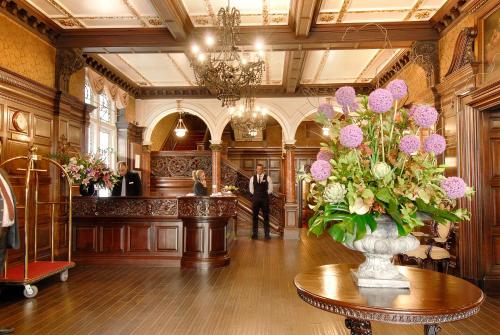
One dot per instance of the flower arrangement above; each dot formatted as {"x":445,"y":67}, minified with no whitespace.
{"x":375,"y":164}
{"x":89,"y":168}
{"x":230,"y":188}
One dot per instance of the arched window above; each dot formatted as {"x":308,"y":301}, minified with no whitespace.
{"x":102,"y":133}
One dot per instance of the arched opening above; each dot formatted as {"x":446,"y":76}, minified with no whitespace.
{"x":164,"y":138}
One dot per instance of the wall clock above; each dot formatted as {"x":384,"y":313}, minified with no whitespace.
{"x":19,"y":121}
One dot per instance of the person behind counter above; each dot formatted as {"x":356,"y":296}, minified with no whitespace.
{"x":200,"y":183}
{"x":129,"y":183}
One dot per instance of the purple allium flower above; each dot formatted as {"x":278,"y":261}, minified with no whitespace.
{"x":409,"y":144}
{"x":324,"y":154}
{"x":398,"y":89}
{"x":435,"y":143}
{"x":424,"y":116}
{"x":326,"y":109}
{"x":349,"y":108}
{"x":454,"y":187}
{"x":320,"y":170}
{"x":412,"y":110}
{"x":380,"y":100}
{"x":351,"y":136}
{"x":345,"y":96}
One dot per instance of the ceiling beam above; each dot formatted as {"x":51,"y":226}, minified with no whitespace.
{"x":175,"y":17}
{"x":294,"y":66}
{"x":302,"y":14}
{"x":333,"y":36}
{"x":263,"y":91}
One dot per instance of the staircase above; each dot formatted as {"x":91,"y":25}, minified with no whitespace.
{"x":187,"y":143}
{"x":232,"y":175}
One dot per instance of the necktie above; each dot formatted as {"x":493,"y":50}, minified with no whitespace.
{"x":124,"y":187}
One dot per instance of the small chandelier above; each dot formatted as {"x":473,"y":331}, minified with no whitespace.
{"x":220,"y":66}
{"x":180,"y":130}
{"x":248,"y":118}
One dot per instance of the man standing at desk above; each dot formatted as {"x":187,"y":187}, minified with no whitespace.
{"x":260,"y":186}
{"x":129,"y":183}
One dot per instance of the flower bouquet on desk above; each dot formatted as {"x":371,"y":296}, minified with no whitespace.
{"x":89,"y":171}
{"x":375,"y":177}
{"x":229,"y":189}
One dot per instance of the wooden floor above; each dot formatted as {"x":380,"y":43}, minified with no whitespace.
{"x":254,"y":295}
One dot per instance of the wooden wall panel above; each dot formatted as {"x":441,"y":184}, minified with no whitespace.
{"x":86,"y":238}
{"x":139,"y":238}
{"x":167,"y":239}
{"x":112,"y":239}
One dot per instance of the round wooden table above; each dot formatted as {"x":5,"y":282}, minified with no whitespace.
{"x":433,"y":298}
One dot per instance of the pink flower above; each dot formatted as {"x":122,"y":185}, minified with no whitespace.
{"x":454,"y":187}
{"x":345,"y":96}
{"x":397,"y":88}
{"x":351,"y":136}
{"x":320,"y":170}
{"x":424,"y":116}
{"x":327,"y":110}
{"x":324,"y":154}
{"x":435,"y":143}
{"x":380,"y":100}
{"x":409,"y":144}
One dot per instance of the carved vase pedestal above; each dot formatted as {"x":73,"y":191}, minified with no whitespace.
{"x":379,"y":247}
{"x":205,"y":229}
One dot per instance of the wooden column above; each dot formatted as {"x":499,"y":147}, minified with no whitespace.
{"x":216,"y":166}
{"x":291,"y":230}
{"x":146,"y":170}
{"x":290,"y":173}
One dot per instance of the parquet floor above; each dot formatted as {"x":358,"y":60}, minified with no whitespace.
{"x":254,"y":295}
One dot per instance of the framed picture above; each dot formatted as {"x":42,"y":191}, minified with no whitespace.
{"x":489,"y":49}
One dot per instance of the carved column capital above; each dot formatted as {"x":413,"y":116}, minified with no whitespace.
{"x":146,"y":148}
{"x":68,"y":61}
{"x":425,"y":54}
{"x":216,"y":147}
{"x":289,"y":147}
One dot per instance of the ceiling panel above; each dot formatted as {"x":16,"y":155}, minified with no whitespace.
{"x":344,"y":66}
{"x":100,"y":14}
{"x":267,"y":12}
{"x":350,"y":11}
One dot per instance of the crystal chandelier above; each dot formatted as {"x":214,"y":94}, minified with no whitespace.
{"x":220,"y":65}
{"x":180,"y":130}
{"x":248,"y":118}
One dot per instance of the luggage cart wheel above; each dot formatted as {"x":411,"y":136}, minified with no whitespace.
{"x":64,"y":276}
{"x":30,"y":291}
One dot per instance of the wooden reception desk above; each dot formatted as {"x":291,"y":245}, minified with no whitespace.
{"x":205,"y":229}
{"x":149,"y":230}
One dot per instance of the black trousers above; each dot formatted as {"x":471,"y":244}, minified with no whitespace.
{"x":3,"y":244}
{"x":257,"y":205}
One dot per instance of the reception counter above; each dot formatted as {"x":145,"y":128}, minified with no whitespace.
{"x":205,"y":222}
{"x":138,"y":230}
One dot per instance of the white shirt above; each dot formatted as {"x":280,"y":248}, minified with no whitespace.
{"x":6,"y":221}
{"x":259,"y":179}
{"x":124,"y":187}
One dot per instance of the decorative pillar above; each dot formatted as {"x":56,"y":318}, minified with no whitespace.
{"x":292,"y":230}
{"x":216,"y":166}
{"x":146,"y":169}
{"x":68,"y":61}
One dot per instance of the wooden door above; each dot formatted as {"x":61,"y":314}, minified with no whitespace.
{"x":490,"y":150}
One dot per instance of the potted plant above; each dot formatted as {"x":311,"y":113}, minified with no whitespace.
{"x":376,"y":176}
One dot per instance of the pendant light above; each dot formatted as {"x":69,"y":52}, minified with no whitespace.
{"x":180,"y":130}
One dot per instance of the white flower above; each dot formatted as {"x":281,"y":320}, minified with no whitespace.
{"x":335,"y":193}
{"x":380,"y":170}
{"x":359,"y":207}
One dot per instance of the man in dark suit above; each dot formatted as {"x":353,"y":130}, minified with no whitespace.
{"x":129,"y":183}
{"x":260,"y":186}
{"x":9,"y":229}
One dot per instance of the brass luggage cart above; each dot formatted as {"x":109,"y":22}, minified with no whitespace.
{"x":34,"y":270}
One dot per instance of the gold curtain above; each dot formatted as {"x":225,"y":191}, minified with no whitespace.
{"x":99,"y":84}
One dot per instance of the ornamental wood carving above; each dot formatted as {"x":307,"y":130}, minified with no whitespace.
{"x":207,"y":206}
{"x":180,"y":166}
{"x":126,"y":207}
{"x":68,"y":61}
{"x":464,"y":50}
{"x":425,"y":54}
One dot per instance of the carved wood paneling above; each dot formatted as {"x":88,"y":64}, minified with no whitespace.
{"x":123,"y":207}
{"x":207,"y":206}
{"x":173,"y":165}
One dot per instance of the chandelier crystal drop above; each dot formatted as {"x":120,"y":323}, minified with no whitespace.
{"x":248,"y":118}
{"x":221,"y":66}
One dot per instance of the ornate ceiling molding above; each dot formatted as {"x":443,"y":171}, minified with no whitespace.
{"x":100,"y":66}
{"x":31,"y":18}
{"x":391,"y":69}
{"x":68,"y":61}
{"x":454,"y":11}
{"x":261,"y":91}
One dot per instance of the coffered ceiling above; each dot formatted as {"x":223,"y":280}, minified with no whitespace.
{"x":319,"y":43}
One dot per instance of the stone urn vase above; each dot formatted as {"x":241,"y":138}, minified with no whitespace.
{"x":379,"y":247}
